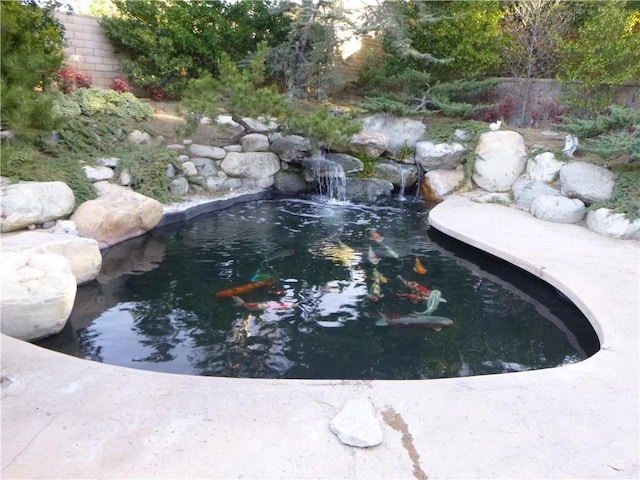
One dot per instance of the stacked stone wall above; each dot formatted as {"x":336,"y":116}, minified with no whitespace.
{"x":89,"y":50}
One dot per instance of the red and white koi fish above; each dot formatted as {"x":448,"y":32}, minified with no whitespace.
{"x":271,"y":305}
{"x":230,"y":292}
{"x":371,"y":255}
{"x":418,"y":267}
{"x":416,"y":287}
{"x":412,"y":297}
{"x":375,"y":236}
{"x":375,"y":293}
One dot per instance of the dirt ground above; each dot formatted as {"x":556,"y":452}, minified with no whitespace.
{"x":166,"y":120}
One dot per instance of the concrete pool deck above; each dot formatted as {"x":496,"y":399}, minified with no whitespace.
{"x":63,"y":417}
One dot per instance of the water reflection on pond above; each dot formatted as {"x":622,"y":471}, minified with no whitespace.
{"x":330,"y":286}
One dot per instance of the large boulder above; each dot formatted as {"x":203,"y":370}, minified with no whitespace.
{"x":559,"y":209}
{"x":290,"y":148}
{"x":437,"y":184}
{"x":399,"y":174}
{"x":83,"y":254}
{"x":117,"y":216}
{"x":255,"y":142}
{"x":615,"y":225}
{"x":368,"y":190}
{"x":372,"y":144}
{"x":586,"y":181}
{"x":501,"y":157}
{"x":291,"y":183}
{"x":402,"y":132}
{"x":432,"y":156}
{"x":349,"y":163}
{"x":544,"y":167}
{"x":30,"y":203}
{"x":250,"y":164}
{"x":38,"y":292}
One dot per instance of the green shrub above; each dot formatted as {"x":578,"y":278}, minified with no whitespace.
{"x":148,"y":169}
{"x":22,"y":161}
{"x":324,"y":127}
{"x":625,"y":198}
{"x":99,"y":101}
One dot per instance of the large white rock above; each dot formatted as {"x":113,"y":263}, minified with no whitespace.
{"x":251,"y":164}
{"x":501,"y":157}
{"x":357,"y":425}
{"x":401,"y":132}
{"x":434,"y":156}
{"x":29,"y":203}
{"x":615,"y":225}
{"x":83,"y":254}
{"x":555,"y":208}
{"x":544,"y":167}
{"x":38,"y":293}
{"x":97,"y":174}
{"x":117,"y":216}
{"x":525,"y":191}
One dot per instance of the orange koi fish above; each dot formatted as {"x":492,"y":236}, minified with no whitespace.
{"x":416,"y":287}
{"x":418,"y":267}
{"x":230,"y":292}
{"x":375,"y":236}
{"x":271,"y":305}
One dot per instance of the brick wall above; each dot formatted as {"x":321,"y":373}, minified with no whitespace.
{"x":89,"y":50}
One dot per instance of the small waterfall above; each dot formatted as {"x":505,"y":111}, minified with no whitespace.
{"x":330,"y":178}
{"x":403,"y":184}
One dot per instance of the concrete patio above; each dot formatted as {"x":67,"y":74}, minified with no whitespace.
{"x":66,"y":418}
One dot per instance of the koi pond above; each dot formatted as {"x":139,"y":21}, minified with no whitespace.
{"x":310,"y":289}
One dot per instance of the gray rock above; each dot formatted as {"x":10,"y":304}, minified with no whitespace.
{"x":205,"y":166}
{"x":555,"y":208}
{"x":544,"y":167}
{"x":29,"y":203}
{"x":525,"y":191}
{"x":290,"y":183}
{"x":260,"y":125}
{"x":138,"y":137}
{"x":501,"y":198}
{"x":357,"y":425}
{"x":290,"y":148}
{"x":251,"y":164}
{"x":349,"y":164}
{"x":38,"y":293}
{"x":398,"y":174}
{"x":215,"y":184}
{"x":233,"y":148}
{"x":590,"y":183}
{"x":207,"y":151}
{"x":125,"y":177}
{"x":403,"y":133}
{"x":179,"y":186}
{"x":431,"y":156}
{"x":368,"y":190}
{"x":111,"y":162}
{"x":255,"y":142}
{"x":501,"y":157}
{"x":614,"y":225}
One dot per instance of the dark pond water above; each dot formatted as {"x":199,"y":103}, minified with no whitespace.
{"x":322,"y":316}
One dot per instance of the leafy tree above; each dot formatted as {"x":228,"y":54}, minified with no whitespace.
{"x":468,"y":33}
{"x":534,"y":27}
{"x":32,"y":42}
{"x":304,"y":61}
{"x":172,"y":41}
{"x":604,"y":51}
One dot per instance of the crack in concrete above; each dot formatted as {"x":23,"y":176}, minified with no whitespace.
{"x":395,"y":421}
